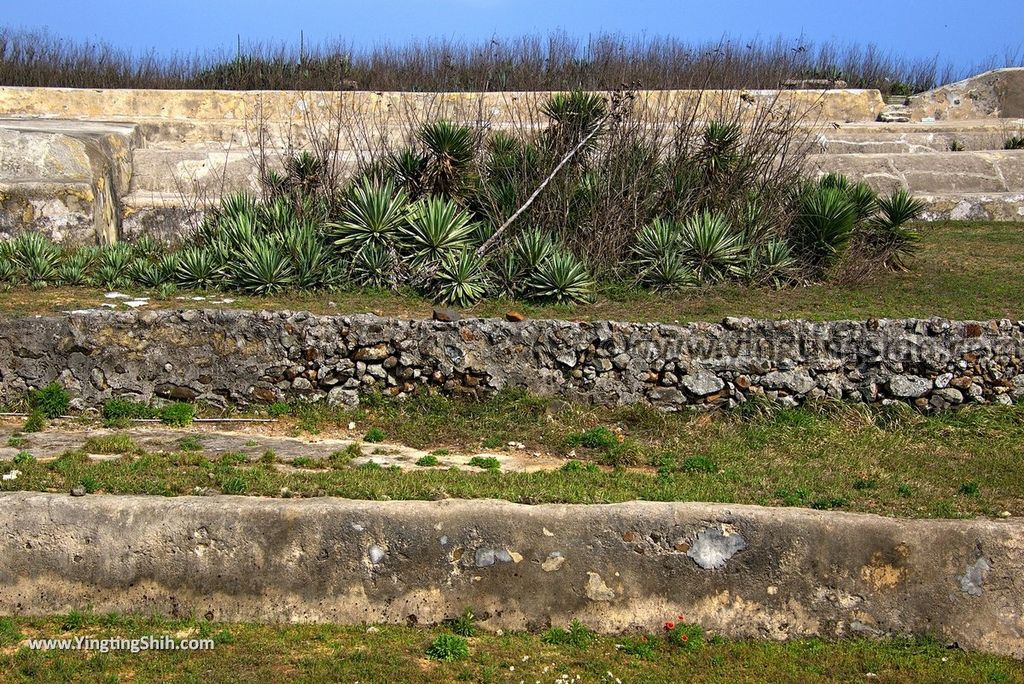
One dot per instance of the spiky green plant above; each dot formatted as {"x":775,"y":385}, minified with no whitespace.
{"x":146,"y":247}
{"x":460,"y":279}
{"x":113,"y":263}
{"x":237,"y":204}
{"x":436,"y":227}
{"x":506,"y":275}
{"x":197,"y":268}
{"x":562,"y":278}
{"x":667,"y":272}
{"x":710,"y":247}
{"x":655,"y":240}
{"x":890,"y":238}
{"x":409,"y":169}
{"x":1015,"y":142}
{"x":720,"y":146}
{"x":36,"y":256}
{"x":304,"y":172}
{"x":372,"y":215}
{"x":574,"y":116}
{"x":39,"y":270}
{"x":823,"y":225}
{"x":311,"y":258}
{"x":263,"y":268}
{"x":774,"y":263}
{"x":451,"y":149}
{"x":532,"y":247}
{"x":71,"y":274}
{"x":8,"y":271}
{"x":374,"y":266}
{"x":152,"y":274}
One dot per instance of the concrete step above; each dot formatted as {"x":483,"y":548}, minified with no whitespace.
{"x":918,"y":138}
{"x":997,"y":206}
{"x":931,"y":173}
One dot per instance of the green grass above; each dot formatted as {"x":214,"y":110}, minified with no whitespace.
{"x":964,"y":270}
{"x":886,"y":460}
{"x":320,"y":653}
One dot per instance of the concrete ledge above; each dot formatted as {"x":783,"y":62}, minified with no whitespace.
{"x":742,"y":571}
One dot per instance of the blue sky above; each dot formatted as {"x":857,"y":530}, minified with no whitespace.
{"x":958,"y":31}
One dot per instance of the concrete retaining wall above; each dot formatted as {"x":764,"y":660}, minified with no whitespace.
{"x":240,"y":357}
{"x":742,"y":571}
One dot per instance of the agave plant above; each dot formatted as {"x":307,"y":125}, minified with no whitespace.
{"x":773,"y":262}
{"x":667,"y":272}
{"x":1015,"y":142}
{"x":237,"y":204}
{"x":114,"y":262}
{"x":824,"y":224}
{"x":506,"y":275}
{"x":451,"y":149}
{"x":153,"y":274}
{"x":263,"y":268}
{"x":562,"y":278}
{"x":889,"y":237}
{"x":277,"y":215}
{"x":372,"y":216}
{"x":39,"y":270}
{"x":436,"y":227}
{"x":374,"y":266}
{"x":304,"y":172}
{"x":146,"y":247}
{"x":574,"y":116}
{"x":311,"y":258}
{"x":720,"y":148}
{"x":8,"y":272}
{"x":532,"y":248}
{"x":460,"y":279}
{"x":409,"y":169}
{"x":198,"y":268}
{"x":657,"y":239}
{"x":710,"y":247}
{"x":34,"y":250}
{"x":71,"y":274}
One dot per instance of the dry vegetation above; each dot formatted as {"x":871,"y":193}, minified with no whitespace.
{"x":537,"y":62}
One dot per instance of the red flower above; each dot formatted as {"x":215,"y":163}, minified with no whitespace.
{"x":680,"y":618}
{"x":669,"y":625}
{"x":684,"y":637}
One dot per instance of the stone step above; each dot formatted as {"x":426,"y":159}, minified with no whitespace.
{"x":961,"y":173}
{"x":918,"y":138}
{"x":997,"y":206}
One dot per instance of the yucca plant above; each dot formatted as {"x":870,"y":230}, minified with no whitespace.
{"x":1015,"y":142}
{"x":311,"y":258}
{"x":146,"y":247}
{"x":374,"y":266}
{"x":720,"y":146}
{"x":667,"y":272}
{"x":532,"y":247}
{"x":276,"y":215}
{"x":710,"y":247}
{"x":823,"y":225}
{"x":372,"y":215}
{"x":34,"y":251}
{"x":409,"y":169}
{"x":262,"y":269}
{"x":657,"y":239}
{"x":436,"y":227}
{"x":562,"y":278}
{"x":574,"y":116}
{"x":304,"y":172}
{"x":111,"y":277}
{"x":460,"y":279}
{"x":237,"y":204}
{"x":197,"y":268}
{"x":451,"y":149}
{"x":114,"y":262}
{"x":506,"y":275}
{"x":152,"y":274}
{"x":71,"y":274}
{"x":8,"y":271}
{"x":774,"y":263}
{"x":39,"y":270}
{"x":890,"y":239}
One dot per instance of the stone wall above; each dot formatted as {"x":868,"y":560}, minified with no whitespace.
{"x":239,"y":357}
{"x":742,"y":571}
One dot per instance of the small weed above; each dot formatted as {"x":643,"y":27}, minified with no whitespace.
{"x":52,"y":401}
{"x":16,"y":442}
{"x":72,"y":621}
{"x":23,"y":458}
{"x":111,"y":444}
{"x":234,"y":485}
{"x":439,"y":452}
{"x":464,"y":625}
{"x":374,"y":435}
{"x":862,"y":484}
{"x":448,"y":648}
{"x":969,"y":488}
{"x":686,"y":635}
{"x":578,"y":636}
{"x":485,"y":462}
{"x":268,"y":457}
{"x":595,"y":438}
{"x":905,"y":490}
{"x":492,"y":443}
{"x":828,"y":503}
{"x":278,"y":409}
{"x":369,"y":466}
{"x":575,"y":466}
{"x":342,"y":457}
{"x":233,"y":458}
{"x":125,"y":410}
{"x":36,"y":422}
{"x":427,"y":461}
{"x":178,"y":414}
{"x":699,"y":464}
{"x":89,"y":483}
{"x":190,"y":443}
{"x":9,"y":632}
{"x":639,"y":647}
